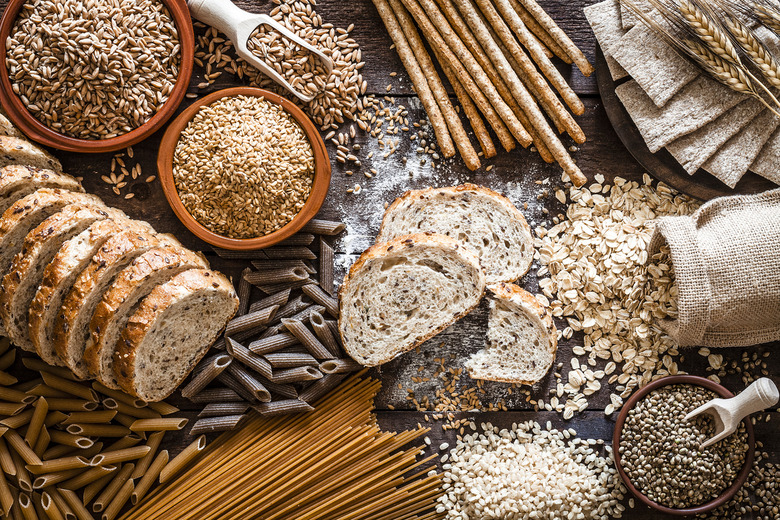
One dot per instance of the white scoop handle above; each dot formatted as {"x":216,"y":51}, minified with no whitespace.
{"x":761,"y":395}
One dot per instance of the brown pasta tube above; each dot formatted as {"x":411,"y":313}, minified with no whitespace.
{"x":321,"y":387}
{"x":7,"y":359}
{"x":12,"y":408}
{"x":71,"y":405}
{"x":16,"y":443}
{"x":339,"y":366}
{"x":42,"y":443}
{"x":75,"y":504}
{"x":244,"y":292}
{"x":326,"y":265}
{"x":251,"y":321}
{"x":274,"y":343}
{"x":117,"y":483}
{"x":96,"y":417}
{"x":279,"y":299}
{"x":229,"y":254}
{"x":330,"y":303}
{"x":62,"y":507}
{"x":98,"y":430}
{"x":296,"y":375}
{"x":213,"y":366}
{"x":323,"y":227}
{"x":289,"y":360}
{"x":6,"y":461}
{"x":71,"y":387}
{"x":249,"y":382}
{"x":275,"y":288}
{"x":15,"y":396}
{"x":57,"y":465}
{"x":50,"y":479}
{"x":183,"y":459}
{"x":7,"y":379}
{"x":215,"y":395}
{"x":119,"y":501}
{"x":304,"y":335}
{"x":92,"y":490}
{"x":124,"y":420}
{"x":36,"y":364}
{"x":283,"y":407}
{"x":87,"y":477}
{"x":232,"y":383}
{"x":280,"y":390}
{"x":323,"y":332}
{"x":276,"y":276}
{"x":17,"y":421}
{"x":278,"y":264}
{"x":149,"y":477}
{"x":244,"y":356}
{"x":291,"y":308}
{"x":158,"y":424}
{"x":119,"y":396}
{"x":334,"y":329}
{"x":54,"y":418}
{"x":216,"y":424}
{"x":6,"y":498}
{"x":59,"y":450}
{"x":286,"y":253}
{"x":123,"y":455}
{"x":22,"y":475}
{"x":26,"y":506}
{"x":163,"y":408}
{"x":76,"y":441}
{"x":221,"y":409}
{"x":143,"y":463}
{"x":298,"y":239}
{"x":124,"y":408}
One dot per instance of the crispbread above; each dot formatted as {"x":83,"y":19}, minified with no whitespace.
{"x":628,"y":18}
{"x":478,"y":217}
{"x":19,"y":180}
{"x":699,"y":103}
{"x":767,"y":164}
{"x":16,"y":150}
{"x":604,"y":18}
{"x":400,"y":293}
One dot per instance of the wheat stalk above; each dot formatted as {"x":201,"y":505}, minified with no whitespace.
{"x":767,"y":13}
{"x":707,"y":29}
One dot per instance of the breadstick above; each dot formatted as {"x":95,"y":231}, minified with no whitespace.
{"x":457,"y":131}
{"x":521,"y":94}
{"x":427,"y":15}
{"x":539,"y":32}
{"x":559,"y":36}
{"x":418,"y":79}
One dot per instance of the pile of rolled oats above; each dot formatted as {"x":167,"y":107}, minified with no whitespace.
{"x":594,"y":273}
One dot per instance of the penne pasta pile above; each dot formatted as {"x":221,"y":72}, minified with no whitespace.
{"x":333,"y":464}
{"x":283,"y":350}
{"x":66,"y":445}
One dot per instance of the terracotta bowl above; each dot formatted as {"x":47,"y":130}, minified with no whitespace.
{"x":39,"y":132}
{"x":729,"y":493}
{"x":319,"y":187}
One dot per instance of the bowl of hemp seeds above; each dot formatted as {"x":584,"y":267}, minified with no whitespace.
{"x":658,"y":453}
{"x":94,"y":75}
{"x":244,"y":168}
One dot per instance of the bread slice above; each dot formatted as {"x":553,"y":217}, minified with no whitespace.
{"x":477,"y":216}
{"x":171,"y":330}
{"x":40,"y":246}
{"x":71,"y":328}
{"x":522,"y":339}
{"x":402,"y":292}
{"x":60,"y":275}
{"x":17,"y":150}
{"x":18,"y":181}
{"x":136,"y":281}
{"x":7,"y":128}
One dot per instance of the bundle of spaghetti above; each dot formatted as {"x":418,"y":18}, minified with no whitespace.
{"x":333,"y":463}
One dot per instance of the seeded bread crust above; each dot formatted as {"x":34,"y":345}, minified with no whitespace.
{"x":7,"y":128}
{"x":18,"y":181}
{"x":408,"y":245}
{"x":16,"y":150}
{"x":39,"y":248}
{"x":526,"y":303}
{"x":467,"y":213}
{"x":210,"y":284}
{"x":136,"y":281}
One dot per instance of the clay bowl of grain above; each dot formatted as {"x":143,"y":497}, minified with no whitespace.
{"x":252,"y":196}
{"x":621,"y":462}
{"x":155,"y":81}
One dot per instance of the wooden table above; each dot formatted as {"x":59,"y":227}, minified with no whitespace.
{"x":512,"y":173}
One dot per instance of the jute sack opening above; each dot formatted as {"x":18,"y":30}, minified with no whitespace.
{"x":726,"y":259}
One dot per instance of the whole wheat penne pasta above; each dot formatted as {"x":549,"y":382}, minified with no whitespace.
{"x":16,"y":443}
{"x":40,"y":411}
{"x":291,"y":308}
{"x":54,"y":417}
{"x":125,"y":442}
{"x":96,"y":417}
{"x":72,"y":387}
{"x":106,"y":496}
{"x":289,"y":360}
{"x":240,"y":255}
{"x":232,"y":383}
{"x":212,"y":367}
{"x":71,"y":405}
{"x":298,"y":239}
{"x":75,"y":504}
{"x":296,"y":375}
{"x":287,"y":253}
{"x":51,"y":508}
{"x":280,"y":390}
{"x":302,"y":316}
{"x":276,"y":287}
{"x":42,"y":443}
{"x":123,"y":455}
{"x":215,"y":395}
{"x":278,"y":264}
{"x":92,"y":490}
{"x":283,"y":407}
{"x":339,"y":366}
{"x":23,"y":480}
{"x":327,"y":255}
{"x":251,"y":321}
{"x":60,"y":503}
{"x":249,"y":382}
{"x":39,"y":366}
{"x":77,"y":441}
{"x":118,"y":395}
{"x":12,"y":408}
{"x":279,"y":299}
{"x":143,"y":486}
{"x":6,"y":461}
{"x":216,"y":424}
{"x":328,"y":382}
{"x":305,"y":336}
{"x":124,"y":408}
{"x":59,"y":450}
{"x":57,"y":465}
{"x":98,"y":430}
{"x":15,"y":396}
{"x":89,"y":476}
{"x":244,"y":292}
{"x":244,"y":356}
{"x":26,"y":506}
{"x":90,"y":452}
{"x":8,"y":356}
{"x":276,"y":276}
{"x":163,"y":408}
{"x":323,"y":332}
{"x":124,"y":420}
{"x":44,"y":390}
{"x":334,"y":329}
{"x":318,"y":295}
{"x":220,"y":409}
{"x":119,"y":501}
{"x":7,"y":379}
{"x":323,"y":227}
{"x":6,"y":498}
{"x":273,"y":343}
{"x":158,"y":424}
{"x":143,"y":463}
{"x":51,"y":479}
{"x":17,"y":421}
{"x":180,"y":461}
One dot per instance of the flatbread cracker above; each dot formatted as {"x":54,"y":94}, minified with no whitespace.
{"x":604,"y":18}
{"x":767,"y":164}
{"x":698,"y":104}
{"x":693,"y":150}
{"x":655,"y":66}
{"x":627,"y":16}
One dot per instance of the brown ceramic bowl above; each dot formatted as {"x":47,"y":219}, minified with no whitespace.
{"x":39,"y":132}
{"x":729,"y":493}
{"x":319,"y":187}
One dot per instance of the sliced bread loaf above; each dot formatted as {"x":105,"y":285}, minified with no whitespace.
{"x":522,"y":339}
{"x":7,"y":128}
{"x":18,"y":181}
{"x":60,"y":275}
{"x":17,"y":150}
{"x":485,"y":220}
{"x":402,"y":292}
{"x":40,"y":246}
{"x":71,"y":329}
{"x":133,"y":283}
{"x":171,"y":330}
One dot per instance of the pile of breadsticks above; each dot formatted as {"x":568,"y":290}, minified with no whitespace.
{"x":496,"y":55}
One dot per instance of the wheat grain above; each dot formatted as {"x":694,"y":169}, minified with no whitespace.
{"x":707,"y":29}
{"x":758,"y":53}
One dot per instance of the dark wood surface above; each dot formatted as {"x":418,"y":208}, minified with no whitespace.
{"x":513,"y":173}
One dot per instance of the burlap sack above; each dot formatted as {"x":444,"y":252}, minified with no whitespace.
{"x":726,"y":259}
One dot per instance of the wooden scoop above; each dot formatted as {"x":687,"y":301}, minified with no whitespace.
{"x":727,"y":413}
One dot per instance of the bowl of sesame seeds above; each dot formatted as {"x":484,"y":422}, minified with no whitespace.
{"x":94,"y":76}
{"x":244,"y":168}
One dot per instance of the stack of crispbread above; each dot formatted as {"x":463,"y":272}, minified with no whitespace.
{"x":702,"y":123}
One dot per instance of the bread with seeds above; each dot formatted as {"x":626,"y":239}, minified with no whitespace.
{"x":17,"y":150}
{"x":19,"y":180}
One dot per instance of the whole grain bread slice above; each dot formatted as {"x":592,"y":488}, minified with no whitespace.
{"x":171,"y":330}
{"x":71,"y":328}
{"x":478,"y":217}
{"x":7,"y":128}
{"x":522,"y":339}
{"x":119,"y":302}
{"x":60,"y":275}
{"x":40,"y":246}
{"x":17,"y":150}
{"x":402,"y":292}
{"x":19,"y":180}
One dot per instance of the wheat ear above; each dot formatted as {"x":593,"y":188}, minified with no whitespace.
{"x":768,"y":16}
{"x":758,"y":53}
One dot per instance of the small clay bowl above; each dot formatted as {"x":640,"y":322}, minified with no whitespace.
{"x":37,"y":131}
{"x":729,"y":493}
{"x":319,"y":187}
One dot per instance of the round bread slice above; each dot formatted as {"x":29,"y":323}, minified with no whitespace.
{"x":400,"y":293}
{"x":522,"y":339}
{"x":71,"y":329}
{"x":17,"y":150}
{"x":18,"y":181}
{"x":59,"y":276}
{"x":482,"y":218}
{"x":171,"y":330}
{"x":40,"y":246}
{"x":135,"y":282}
